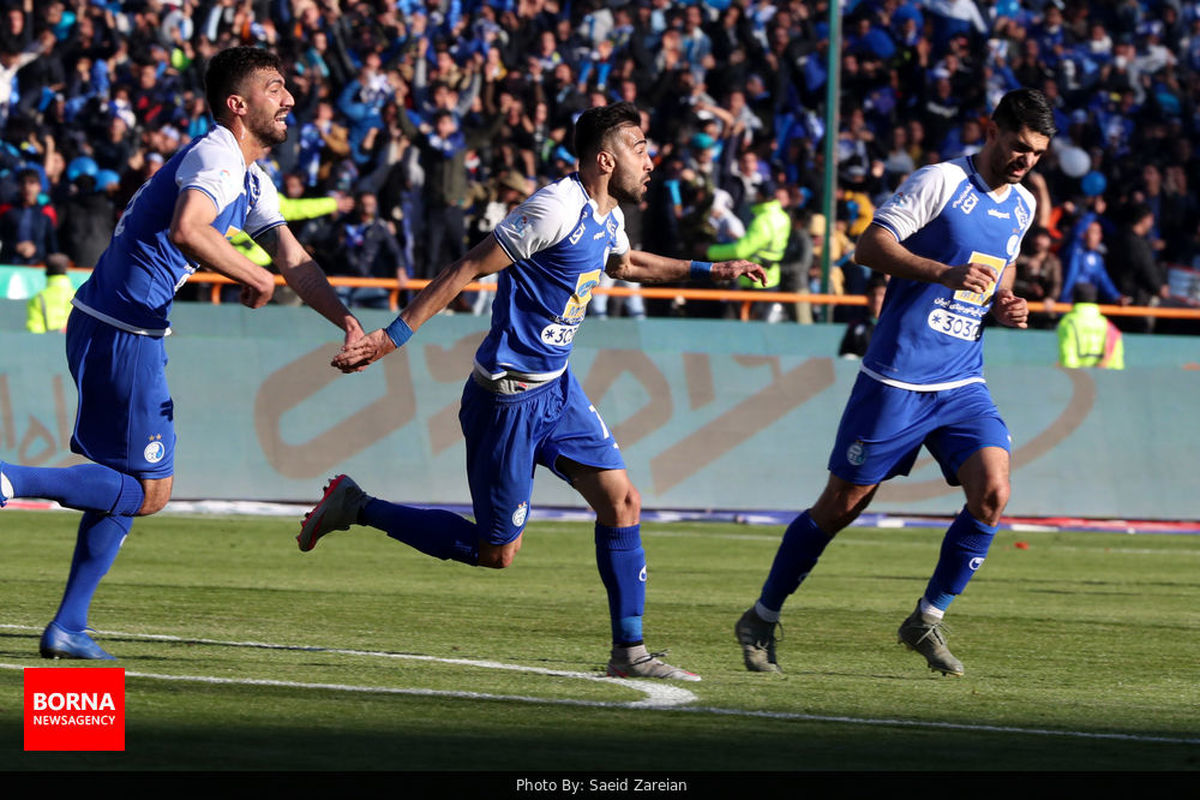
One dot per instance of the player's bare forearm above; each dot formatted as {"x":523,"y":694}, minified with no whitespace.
{"x":878,"y":249}
{"x":485,"y":258}
{"x":307,"y":279}
{"x":639,"y":266}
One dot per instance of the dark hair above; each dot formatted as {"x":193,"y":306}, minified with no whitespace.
{"x":595,"y":125}
{"x":29,"y":174}
{"x":1084,"y":293}
{"x":1136,"y":212}
{"x":229,"y":68}
{"x":57,"y":264}
{"x":1025,"y":108}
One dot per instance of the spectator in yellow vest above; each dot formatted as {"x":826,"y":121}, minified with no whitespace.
{"x":1085,"y":336}
{"x":48,"y":309}
{"x":765,"y":239}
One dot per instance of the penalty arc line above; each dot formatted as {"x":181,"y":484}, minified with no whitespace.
{"x":657,"y":695}
{"x":342,"y":687}
{"x":660,"y":697}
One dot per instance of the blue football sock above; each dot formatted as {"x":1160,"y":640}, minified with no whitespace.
{"x":87,"y":487}
{"x":96,"y":547}
{"x":622,"y":563}
{"x":437,"y":533}
{"x":803,"y":543}
{"x":963,"y":550}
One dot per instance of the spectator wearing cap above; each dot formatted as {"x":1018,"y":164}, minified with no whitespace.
{"x":88,"y":215}
{"x":27,"y":232}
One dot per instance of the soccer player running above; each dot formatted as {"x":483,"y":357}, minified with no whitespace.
{"x":177,"y":220}
{"x":947,"y":238}
{"x":522,"y":406}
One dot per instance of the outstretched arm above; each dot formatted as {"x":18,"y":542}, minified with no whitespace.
{"x":307,"y":279}
{"x":485,"y":258}
{"x":642,"y":267}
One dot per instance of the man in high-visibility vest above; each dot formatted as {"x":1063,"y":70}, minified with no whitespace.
{"x":1086,"y":338}
{"x":48,"y":309}
{"x":765,"y":239}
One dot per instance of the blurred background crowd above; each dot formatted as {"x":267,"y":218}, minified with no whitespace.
{"x":418,"y":125}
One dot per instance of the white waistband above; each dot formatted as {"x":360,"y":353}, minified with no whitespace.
{"x":920,"y":387}
{"x":116,"y":323}
{"x":531,"y":377}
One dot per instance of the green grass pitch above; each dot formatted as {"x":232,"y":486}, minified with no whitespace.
{"x":1082,"y":653}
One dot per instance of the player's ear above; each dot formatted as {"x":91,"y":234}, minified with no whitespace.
{"x":606,"y":161}
{"x":991,"y":130}
{"x":236,"y":104}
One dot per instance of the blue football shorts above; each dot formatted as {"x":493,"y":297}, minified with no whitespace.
{"x":883,"y":428}
{"x":125,"y":418}
{"x":508,"y":435}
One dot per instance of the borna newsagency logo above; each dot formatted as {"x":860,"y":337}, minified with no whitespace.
{"x":75,"y":709}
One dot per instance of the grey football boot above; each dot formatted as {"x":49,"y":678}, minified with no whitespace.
{"x":927,"y":636}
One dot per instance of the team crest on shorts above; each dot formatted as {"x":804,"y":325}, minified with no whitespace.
{"x":856,"y":453}
{"x":155,"y":451}
{"x":518,"y":516}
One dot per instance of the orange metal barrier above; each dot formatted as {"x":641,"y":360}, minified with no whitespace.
{"x":744,"y":296}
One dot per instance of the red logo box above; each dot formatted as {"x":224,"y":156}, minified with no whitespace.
{"x":75,"y":709}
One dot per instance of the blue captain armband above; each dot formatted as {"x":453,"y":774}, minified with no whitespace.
{"x":398,"y":332}
{"x":700,"y":269}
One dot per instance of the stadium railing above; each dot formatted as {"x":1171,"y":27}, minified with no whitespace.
{"x":745,"y":297}
{"x":21,"y":282}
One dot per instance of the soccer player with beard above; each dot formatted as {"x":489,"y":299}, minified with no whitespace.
{"x":522,"y":406}
{"x":948,"y":238}
{"x":177,"y":221}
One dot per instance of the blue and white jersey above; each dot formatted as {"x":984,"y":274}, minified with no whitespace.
{"x":134,"y":283}
{"x":929,"y":337}
{"x":559,"y":247}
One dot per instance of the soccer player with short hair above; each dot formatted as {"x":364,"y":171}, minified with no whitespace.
{"x":948,"y":237}
{"x":177,"y":220}
{"x":522,"y":406}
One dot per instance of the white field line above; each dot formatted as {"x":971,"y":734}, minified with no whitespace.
{"x":341,"y":687}
{"x":660,"y":697}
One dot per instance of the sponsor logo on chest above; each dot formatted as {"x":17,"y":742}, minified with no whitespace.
{"x":966,"y":200}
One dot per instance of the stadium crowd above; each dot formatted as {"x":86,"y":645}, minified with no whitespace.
{"x":429,"y":120}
